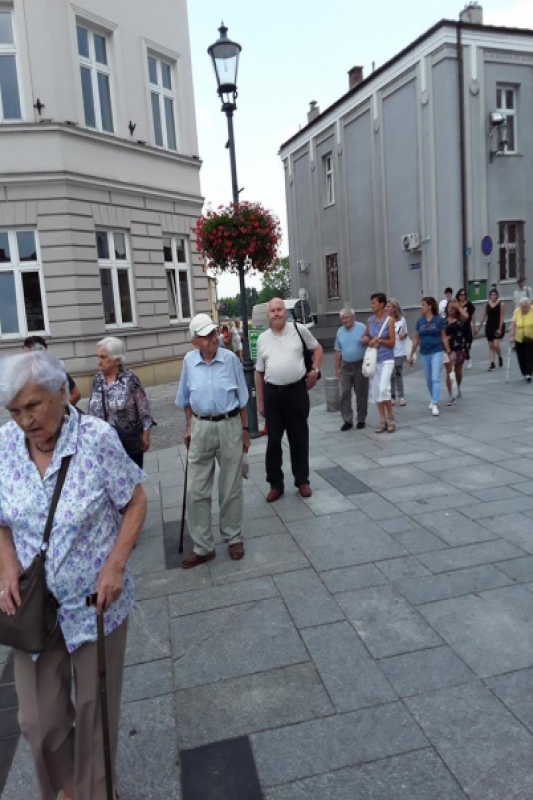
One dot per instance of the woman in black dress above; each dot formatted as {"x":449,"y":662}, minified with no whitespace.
{"x":469,"y":324}
{"x":456,"y":321}
{"x":494,"y":314}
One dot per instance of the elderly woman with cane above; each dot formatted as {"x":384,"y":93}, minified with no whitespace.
{"x":86,"y":554}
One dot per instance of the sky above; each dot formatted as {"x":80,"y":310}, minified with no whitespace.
{"x":293,"y":52}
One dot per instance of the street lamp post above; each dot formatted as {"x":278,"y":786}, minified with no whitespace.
{"x":225,"y":57}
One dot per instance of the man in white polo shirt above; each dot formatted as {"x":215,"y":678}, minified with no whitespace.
{"x":282,"y":383}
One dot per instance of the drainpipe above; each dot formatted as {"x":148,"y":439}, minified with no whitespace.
{"x":462,"y":154}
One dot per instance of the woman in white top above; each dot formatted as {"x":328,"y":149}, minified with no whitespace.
{"x":236,"y":339}
{"x":395,"y":311}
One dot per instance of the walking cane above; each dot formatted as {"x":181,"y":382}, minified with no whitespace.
{"x":508,"y":362}
{"x":184,"y":506}
{"x":102,"y":677}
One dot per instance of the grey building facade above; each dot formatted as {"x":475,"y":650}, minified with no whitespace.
{"x":99,"y":182}
{"x":398,"y":185}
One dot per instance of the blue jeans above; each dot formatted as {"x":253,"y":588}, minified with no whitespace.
{"x":432,"y":366}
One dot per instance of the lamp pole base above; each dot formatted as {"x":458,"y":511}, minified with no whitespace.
{"x":248,"y":368}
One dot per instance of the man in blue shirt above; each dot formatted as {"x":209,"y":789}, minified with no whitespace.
{"x":349,"y":354}
{"x":212,"y":391}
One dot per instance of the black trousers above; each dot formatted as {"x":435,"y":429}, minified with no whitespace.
{"x":138,"y":458}
{"x":524,"y":354}
{"x":287,"y":410}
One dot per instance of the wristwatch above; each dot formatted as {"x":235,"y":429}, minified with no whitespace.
{"x":318,"y":373}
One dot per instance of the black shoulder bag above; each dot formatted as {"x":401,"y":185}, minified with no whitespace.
{"x":35,"y":619}
{"x":130,"y":435}
{"x":308,"y":354}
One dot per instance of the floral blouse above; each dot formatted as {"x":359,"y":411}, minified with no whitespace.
{"x":100,"y":480}
{"x":125,"y":399}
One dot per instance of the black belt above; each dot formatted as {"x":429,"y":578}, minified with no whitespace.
{"x":219,"y":417}
{"x":283,"y":387}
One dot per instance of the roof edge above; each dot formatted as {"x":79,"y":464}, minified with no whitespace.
{"x":443,"y":23}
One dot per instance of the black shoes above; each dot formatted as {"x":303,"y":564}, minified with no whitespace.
{"x":501,"y":361}
{"x":492,"y":366}
{"x":349,"y":425}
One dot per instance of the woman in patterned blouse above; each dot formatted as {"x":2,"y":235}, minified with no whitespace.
{"x":98,"y":519}
{"x":118,"y":397}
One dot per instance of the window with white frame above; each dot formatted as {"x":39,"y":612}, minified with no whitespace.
{"x":330,"y":184}
{"x":512,"y":251}
{"x":163,"y":102}
{"x":177,"y":266}
{"x":116,"y":279}
{"x":9,"y":87}
{"x":95,"y":75}
{"x":332,"y":276}
{"x":22,"y":304}
{"x":506,"y":97}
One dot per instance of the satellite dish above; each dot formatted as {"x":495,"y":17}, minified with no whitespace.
{"x":303,"y":294}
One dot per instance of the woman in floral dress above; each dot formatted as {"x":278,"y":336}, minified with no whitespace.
{"x":98,"y":519}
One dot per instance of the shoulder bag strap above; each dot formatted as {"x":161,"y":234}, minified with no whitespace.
{"x":383,"y":326}
{"x":104,"y":407}
{"x":55,"y":499}
{"x":301,"y":337}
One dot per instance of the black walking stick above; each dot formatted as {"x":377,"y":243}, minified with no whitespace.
{"x":184,"y":507}
{"x":102,"y":677}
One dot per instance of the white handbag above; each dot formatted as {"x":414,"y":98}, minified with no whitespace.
{"x":370,"y":362}
{"x":370,"y":359}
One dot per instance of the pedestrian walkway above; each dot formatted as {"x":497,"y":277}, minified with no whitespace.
{"x":376,"y":642}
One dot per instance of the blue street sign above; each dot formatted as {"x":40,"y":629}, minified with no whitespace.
{"x":486,"y":245}
{"x":416,"y":265}
{"x":468,"y":251}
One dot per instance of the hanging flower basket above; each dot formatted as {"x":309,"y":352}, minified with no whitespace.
{"x":227,"y":236}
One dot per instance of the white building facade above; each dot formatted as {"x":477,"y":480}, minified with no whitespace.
{"x":99,"y":181}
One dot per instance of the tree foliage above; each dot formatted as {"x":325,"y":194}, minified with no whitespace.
{"x":233,"y":304}
{"x":276,"y":282}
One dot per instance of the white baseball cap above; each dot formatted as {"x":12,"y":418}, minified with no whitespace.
{"x":201,"y":325}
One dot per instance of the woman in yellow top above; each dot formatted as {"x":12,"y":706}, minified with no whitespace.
{"x":522,"y":335}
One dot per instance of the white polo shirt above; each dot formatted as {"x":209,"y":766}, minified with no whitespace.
{"x":280,"y":355}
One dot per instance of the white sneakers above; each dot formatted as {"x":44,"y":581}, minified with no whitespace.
{"x":435,"y":410}
{"x":453,"y":381}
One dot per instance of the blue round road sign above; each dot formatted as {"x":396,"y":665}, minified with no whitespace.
{"x":486,"y":245}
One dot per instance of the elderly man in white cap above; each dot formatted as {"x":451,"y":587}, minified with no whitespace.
{"x":213,"y":393}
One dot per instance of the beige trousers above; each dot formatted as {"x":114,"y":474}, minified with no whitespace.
{"x":209,"y":441}
{"x":64,"y":757}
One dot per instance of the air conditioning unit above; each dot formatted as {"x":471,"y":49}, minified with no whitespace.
{"x":411,"y":242}
{"x":302,"y":265}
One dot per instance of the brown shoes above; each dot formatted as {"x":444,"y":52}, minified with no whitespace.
{"x":305,"y":490}
{"x":273,"y":495}
{"x":194,"y":560}
{"x":236,"y":551}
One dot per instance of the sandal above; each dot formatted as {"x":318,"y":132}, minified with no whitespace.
{"x":382,"y":428}
{"x":391,"y":426}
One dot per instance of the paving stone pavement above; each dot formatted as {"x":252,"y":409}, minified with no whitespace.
{"x":376,"y":642}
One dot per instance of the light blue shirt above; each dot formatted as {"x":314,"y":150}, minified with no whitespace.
{"x":215,"y":388}
{"x":348,"y":342}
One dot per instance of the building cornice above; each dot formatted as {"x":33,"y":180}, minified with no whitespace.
{"x":441,"y":34}
{"x":95,"y":182}
{"x":105,"y":139}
